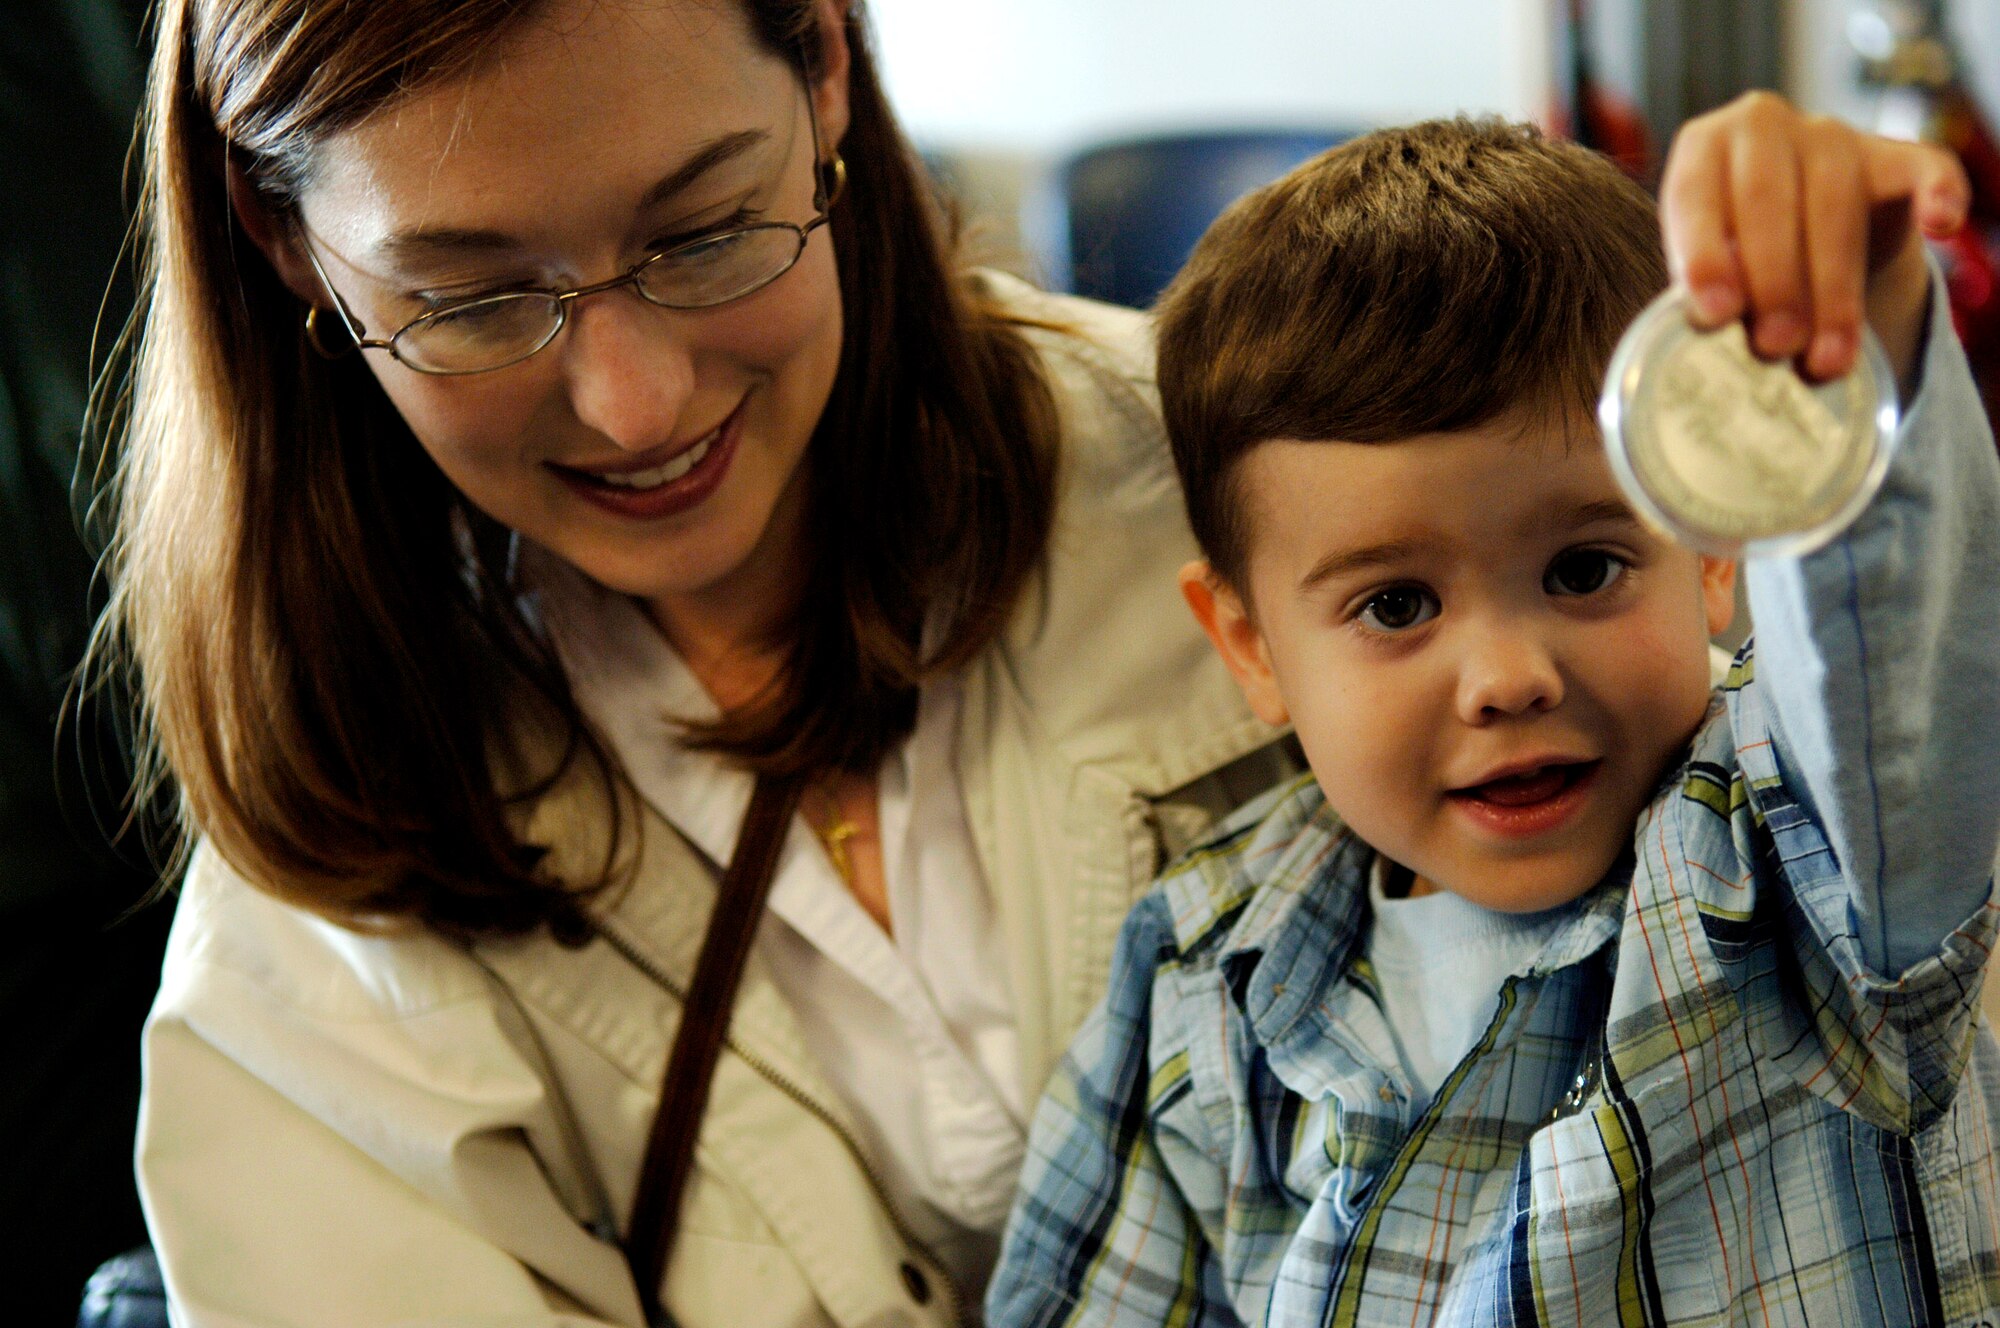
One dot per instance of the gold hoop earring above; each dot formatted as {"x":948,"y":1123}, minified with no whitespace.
{"x":833,"y":179}
{"x":313,"y":335}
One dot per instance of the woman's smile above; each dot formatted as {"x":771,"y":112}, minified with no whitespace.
{"x":649,"y":490}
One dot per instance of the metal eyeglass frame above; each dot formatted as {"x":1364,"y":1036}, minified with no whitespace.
{"x":829,"y":183}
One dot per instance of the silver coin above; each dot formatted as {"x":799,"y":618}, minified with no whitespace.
{"x":1734,"y":455}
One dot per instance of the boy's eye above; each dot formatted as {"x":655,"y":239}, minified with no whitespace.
{"x":1583,"y":572}
{"x":1398,"y":609}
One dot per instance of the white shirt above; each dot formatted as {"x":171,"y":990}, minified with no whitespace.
{"x":1440,"y":962}
{"x":915,"y":1031}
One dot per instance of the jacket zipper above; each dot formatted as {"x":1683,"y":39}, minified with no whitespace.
{"x":778,"y":1079}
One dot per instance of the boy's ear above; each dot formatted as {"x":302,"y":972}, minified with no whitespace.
{"x":1718,"y":592}
{"x":277,"y":241}
{"x":1224,"y":616}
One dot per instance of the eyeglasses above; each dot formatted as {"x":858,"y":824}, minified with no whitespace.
{"x":494,"y":331}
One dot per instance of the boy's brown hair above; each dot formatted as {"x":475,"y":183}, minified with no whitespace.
{"x":1412,"y":281}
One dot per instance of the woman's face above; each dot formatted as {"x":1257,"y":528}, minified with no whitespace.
{"x":657,"y":450}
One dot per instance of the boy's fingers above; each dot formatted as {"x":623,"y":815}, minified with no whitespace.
{"x":1695,"y":215}
{"x":1765,"y":189}
{"x":1836,"y":239}
{"x":1931,"y":178}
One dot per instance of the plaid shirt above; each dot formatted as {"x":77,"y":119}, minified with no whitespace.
{"x":1701,"y":1103}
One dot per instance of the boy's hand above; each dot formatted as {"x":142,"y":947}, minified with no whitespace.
{"x":1800,"y":225}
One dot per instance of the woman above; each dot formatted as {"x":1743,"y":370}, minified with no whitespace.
{"x":547,"y":415}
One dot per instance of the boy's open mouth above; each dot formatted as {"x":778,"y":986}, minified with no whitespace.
{"x":1529,"y":787}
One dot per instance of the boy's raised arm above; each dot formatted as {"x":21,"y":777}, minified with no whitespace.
{"x":1880,"y":654}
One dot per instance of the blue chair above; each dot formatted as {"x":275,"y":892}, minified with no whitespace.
{"x":1128,"y":213}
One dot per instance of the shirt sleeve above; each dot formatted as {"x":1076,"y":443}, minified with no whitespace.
{"x":1879,"y":662}
{"x":1103,"y":1232}
{"x":1867,"y":730}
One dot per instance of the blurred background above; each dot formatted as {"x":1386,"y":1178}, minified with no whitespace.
{"x":1087,"y":142}
{"x":1017,"y":101}
{"x":1088,"y":145}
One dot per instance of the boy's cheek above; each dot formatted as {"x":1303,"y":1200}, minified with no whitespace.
{"x":1353,"y":760}
{"x":1326,"y":706}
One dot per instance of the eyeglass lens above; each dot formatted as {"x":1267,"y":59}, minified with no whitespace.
{"x":499,"y":330}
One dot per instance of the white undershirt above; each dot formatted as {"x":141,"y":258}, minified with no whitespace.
{"x":916,"y":1031}
{"x":1440,"y":962}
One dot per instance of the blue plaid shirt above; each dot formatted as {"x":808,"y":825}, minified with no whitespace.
{"x":1743,"y":1083}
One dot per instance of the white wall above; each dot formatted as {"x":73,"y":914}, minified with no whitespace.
{"x":1036,"y":77}
{"x":1043,"y":76}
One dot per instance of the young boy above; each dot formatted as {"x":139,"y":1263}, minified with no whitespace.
{"x":1566,"y":991}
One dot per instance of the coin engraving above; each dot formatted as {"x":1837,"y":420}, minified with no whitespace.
{"x":1744,"y":449}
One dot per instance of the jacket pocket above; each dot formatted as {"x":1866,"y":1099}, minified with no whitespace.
{"x":717,"y":1280}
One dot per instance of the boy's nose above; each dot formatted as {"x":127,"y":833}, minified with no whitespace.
{"x":629,"y":367}
{"x":1508,"y":673}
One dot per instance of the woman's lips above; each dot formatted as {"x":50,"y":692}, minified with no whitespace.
{"x":1532,"y":803}
{"x":682,"y":481}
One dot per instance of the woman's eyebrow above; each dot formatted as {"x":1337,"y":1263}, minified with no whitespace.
{"x":706,"y":159}
{"x":444,"y":241}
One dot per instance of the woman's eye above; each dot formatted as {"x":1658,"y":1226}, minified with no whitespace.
{"x":473,"y":313}
{"x":1398,"y":609}
{"x":1583,"y":572}
{"x":706,"y":250}
{"x":704,"y":241}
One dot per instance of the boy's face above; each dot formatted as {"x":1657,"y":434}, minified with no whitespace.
{"x":1489,"y":660}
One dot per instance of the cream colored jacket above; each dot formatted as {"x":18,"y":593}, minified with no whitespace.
{"x":349,"y":1130}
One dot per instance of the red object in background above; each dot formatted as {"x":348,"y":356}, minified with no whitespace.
{"x":1971,"y":259}
{"x":1587,"y":112}
{"x":1923,"y":60}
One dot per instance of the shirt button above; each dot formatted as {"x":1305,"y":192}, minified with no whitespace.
{"x":1386,"y":1093}
{"x":916,"y":1283}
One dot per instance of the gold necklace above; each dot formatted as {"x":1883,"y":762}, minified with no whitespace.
{"x":834,"y":834}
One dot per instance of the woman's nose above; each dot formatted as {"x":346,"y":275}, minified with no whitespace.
{"x":630,"y":368}
{"x":1508,"y":670}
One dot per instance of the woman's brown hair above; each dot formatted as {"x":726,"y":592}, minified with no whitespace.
{"x":335,"y":670}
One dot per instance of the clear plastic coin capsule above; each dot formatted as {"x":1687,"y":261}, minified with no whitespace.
{"x":1733,"y":455}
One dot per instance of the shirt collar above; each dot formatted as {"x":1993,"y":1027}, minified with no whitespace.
{"x":638,"y":693}
{"x":1305,"y":875}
